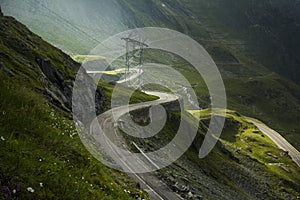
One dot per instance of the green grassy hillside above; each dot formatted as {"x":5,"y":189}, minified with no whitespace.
{"x":245,"y":164}
{"x":42,"y":156}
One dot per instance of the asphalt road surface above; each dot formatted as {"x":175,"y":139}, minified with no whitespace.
{"x":277,"y":139}
{"x":112,"y":140}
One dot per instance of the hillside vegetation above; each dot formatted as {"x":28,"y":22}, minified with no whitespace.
{"x":245,"y":164}
{"x":254,"y":44}
{"x":42,"y":156}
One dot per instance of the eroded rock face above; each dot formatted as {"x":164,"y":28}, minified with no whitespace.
{"x":60,"y":87}
{"x":1,"y":13}
{"x":56,"y":84}
{"x":88,"y":98}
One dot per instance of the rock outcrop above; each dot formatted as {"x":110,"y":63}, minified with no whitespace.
{"x":27,"y":57}
{"x":60,"y":87}
{"x":1,"y":13}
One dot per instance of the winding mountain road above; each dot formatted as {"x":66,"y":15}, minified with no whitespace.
{"x":280,"y":141}
{"x":149,"y":182}
{"x":111,"y":139}
{"x":115,"y":143}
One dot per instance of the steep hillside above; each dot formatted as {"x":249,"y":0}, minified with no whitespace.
{"x":269,"y":30}
{"x":264,"y":30}
{"x":245,"y":164}
{"x":254,"y":43}
{"x":74,"y":32}
{"x":42,"y":156}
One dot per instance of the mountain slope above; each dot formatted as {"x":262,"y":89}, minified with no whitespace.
{"x":245,"y":164}
{"x":254,"y":43}
{"x":42,"y":156}
{"x":74,"y":32}
{"x":270,"y":30}
{"x":42,"y":152}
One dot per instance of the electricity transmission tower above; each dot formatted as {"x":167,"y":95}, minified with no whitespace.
{"x":134,"y":60}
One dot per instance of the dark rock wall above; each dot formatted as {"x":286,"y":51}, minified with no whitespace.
{"x":60,"y":87}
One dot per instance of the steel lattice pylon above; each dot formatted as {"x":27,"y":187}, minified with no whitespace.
{"x":134,"y":60}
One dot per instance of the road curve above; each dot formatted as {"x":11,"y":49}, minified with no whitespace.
{"x":280,"y":141}
{"x":113,"y":140}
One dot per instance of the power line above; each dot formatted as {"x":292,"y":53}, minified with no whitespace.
{"x":72,"y":25}
{"x":130,"y":56}
{"x":67,"y":21}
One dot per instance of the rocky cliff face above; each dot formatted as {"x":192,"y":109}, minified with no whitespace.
{"x":25,"y":56}
{"x":60,"y":88}
{"x":1,"y":14}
